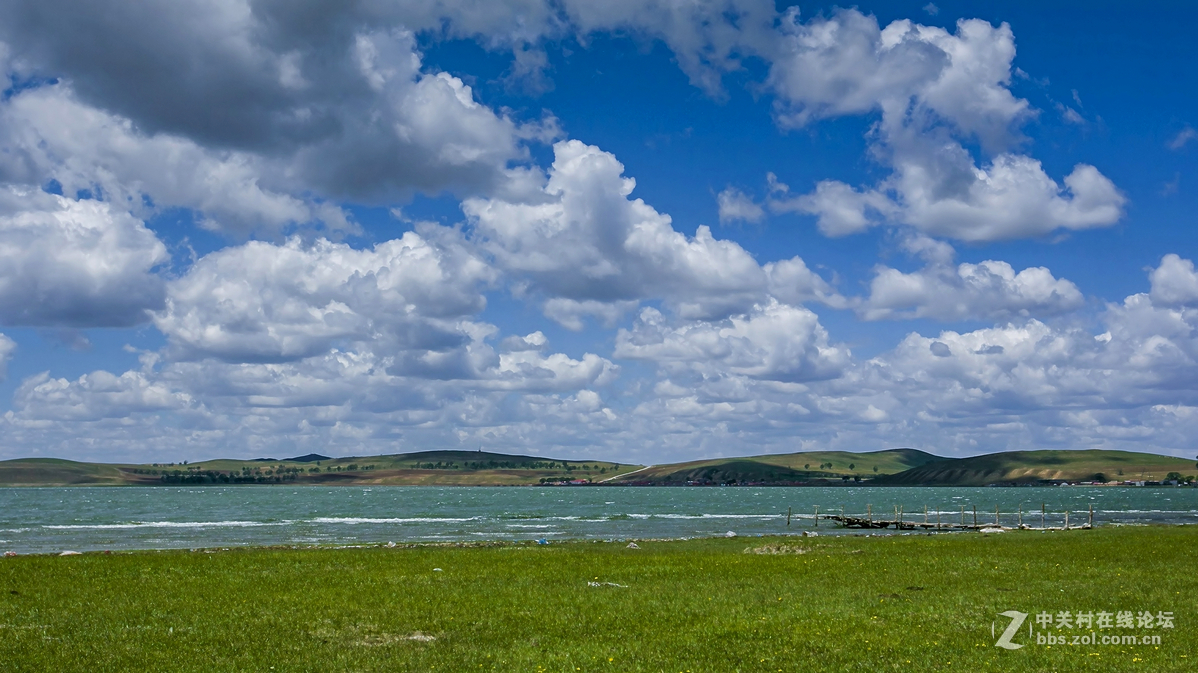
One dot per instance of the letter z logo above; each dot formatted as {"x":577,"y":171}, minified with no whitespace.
{"x":1017,"y":619}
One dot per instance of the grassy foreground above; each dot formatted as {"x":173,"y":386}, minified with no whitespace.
{"x":844,"y":604}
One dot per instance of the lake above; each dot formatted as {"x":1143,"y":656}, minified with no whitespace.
{"x":47,"y":520}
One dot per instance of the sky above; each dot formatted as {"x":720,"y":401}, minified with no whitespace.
{"x":638,"y":230}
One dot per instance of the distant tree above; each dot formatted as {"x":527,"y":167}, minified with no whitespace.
{"x":806,"y":466}
{"x":875,"y":468}
{"x":852,"y":466}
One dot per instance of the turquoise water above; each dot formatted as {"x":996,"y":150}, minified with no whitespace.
{"x":44,"y":520}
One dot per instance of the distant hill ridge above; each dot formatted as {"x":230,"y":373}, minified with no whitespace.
{"x":437,"y":467}
{"x":308,"y":458}
{"x":900,"y":467}
{"x":1046,"y":466}
{"x":785,"y":468}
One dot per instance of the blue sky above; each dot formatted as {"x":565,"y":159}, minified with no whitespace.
{"x":644,"y":231}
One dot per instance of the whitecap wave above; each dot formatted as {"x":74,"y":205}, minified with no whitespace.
{"x":355,"y":520}
{"x":707,"y":516}
{"x":167,"y":524}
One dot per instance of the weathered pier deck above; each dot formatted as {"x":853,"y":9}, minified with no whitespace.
{"x":896,"y":524}
{"x":937,"y":521}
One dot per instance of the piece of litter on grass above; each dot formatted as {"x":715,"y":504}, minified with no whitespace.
{"x":390,"y":545}
{"x":437,"y":570}
{"x":730,"y":534}
{"x":606,"y":584}
{"x":633,"y":545}
{"x":993,"y":530}
{"x":809,"y":533}
{"x":542,"y":541}
{"x":69,"y":553}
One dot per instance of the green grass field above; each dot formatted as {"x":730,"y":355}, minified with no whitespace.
{"x":900,"y":603}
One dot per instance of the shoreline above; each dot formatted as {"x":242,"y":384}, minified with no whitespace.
{"x":828,"y":484}
{"x":827,"y":533}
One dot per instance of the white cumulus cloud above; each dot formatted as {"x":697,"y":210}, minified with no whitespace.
{"x":95,"y":396}
{"x":775,"y":342}
{"x":736,"y":206}
{"x":262,"y":301}
{"x":1174,"y":282}
{"x":933,"y":89}
{"x":988,"y":290}
{"x":7,"y":348}
{"x":588,"y":242}
{"x":75,"y":263}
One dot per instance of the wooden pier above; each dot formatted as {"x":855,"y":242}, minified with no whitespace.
{"x":869,"y":521}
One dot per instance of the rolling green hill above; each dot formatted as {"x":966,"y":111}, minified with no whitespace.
{"x":56,"y":472}
{"x":783,"y":468}
{"x":1034,"y":467}
{"x":422,"y":468}
{"x":899,"y":467}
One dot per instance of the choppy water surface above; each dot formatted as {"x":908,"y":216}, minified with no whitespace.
{"x":39,"y":520}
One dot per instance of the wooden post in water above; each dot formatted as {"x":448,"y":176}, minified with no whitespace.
{"x":788,"y":517}
{"x":817,"y":516}
{"x":869,"y":513}
{"x":1066,"y":519}
{"x":925,"y":515}
{"x":1021,"y":516}
{"x":975,"y":516}
{"x":900,"y":519}
{"x":962,"y":516}
{"x":937,"y":518}
{"x":996,"y":515}
{"x":1042,"y":515}
{"x":1091,"y":515}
